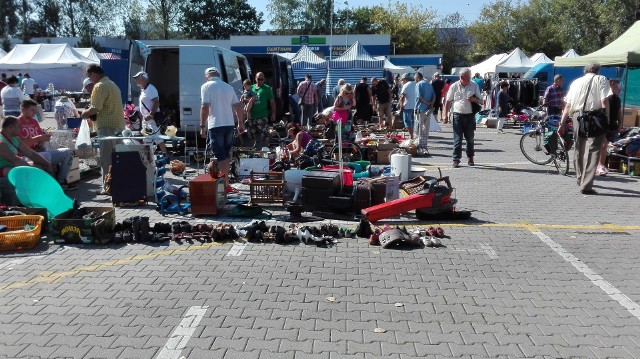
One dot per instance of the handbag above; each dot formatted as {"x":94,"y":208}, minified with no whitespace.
{"x":592,"y":123}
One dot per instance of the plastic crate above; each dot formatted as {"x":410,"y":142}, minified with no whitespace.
{"x":16,"y":237}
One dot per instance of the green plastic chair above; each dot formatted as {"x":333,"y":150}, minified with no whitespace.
{"x":36,"y":188}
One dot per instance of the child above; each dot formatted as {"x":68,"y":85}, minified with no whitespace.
{"x":247,"y":97}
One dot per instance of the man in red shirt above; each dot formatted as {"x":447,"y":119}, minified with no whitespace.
{"x":33,"y":136}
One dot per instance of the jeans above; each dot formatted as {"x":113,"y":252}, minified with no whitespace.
{"x":308,"y":110}
{"x":60,"y":157}
{"x":464,"y":124}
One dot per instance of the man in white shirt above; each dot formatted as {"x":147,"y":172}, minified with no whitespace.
{"x":459,"y":98}
{"x":219,"y":101}
{"x":585,"y":94}
{"x":150,"y":109}
{"x":12,"y":97}
{"x":407,"y":102}
{"x":28,"y":86}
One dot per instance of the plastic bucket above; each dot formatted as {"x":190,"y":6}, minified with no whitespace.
{"x":347,"y":173}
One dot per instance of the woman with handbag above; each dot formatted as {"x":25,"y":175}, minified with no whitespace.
{"x":150,"y":111}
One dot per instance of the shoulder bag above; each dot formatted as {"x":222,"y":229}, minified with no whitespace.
{"x":592,"y":123}
{"x":300,"y":101}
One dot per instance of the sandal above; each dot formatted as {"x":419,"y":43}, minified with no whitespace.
{"x":431,"y":232}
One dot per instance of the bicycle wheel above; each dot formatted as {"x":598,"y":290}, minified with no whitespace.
{"x":351,"y":152}
{"x":561,"y":159}
{"x":532,"y":147}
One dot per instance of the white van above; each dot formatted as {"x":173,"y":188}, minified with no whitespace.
{"x":178,"y":73}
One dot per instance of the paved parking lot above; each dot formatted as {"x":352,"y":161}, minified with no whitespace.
{"x":540,"y":271}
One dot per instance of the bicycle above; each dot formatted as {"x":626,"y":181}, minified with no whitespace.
{"x":556,"y":149}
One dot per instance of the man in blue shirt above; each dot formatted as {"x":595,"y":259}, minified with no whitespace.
{"x":425,"y":98}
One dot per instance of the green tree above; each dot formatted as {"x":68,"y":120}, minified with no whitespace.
{"x":9,"y":19}
{"x":451,"y":41}
{"x":133,"y":28}
{"x":357,"y":21}
{"x":87,"y":35}
{"x":411,"y":27}
{"x":285,"y":16}
{"x":219,"y":19}
{"x":47,"y":19}
{"x":494,"y":31}
{"x":166,"y":15}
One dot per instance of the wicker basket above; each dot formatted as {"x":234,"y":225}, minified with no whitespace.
{"x":414,"y":185}
{"x":16,"y":237}
{"x":266,"y":187}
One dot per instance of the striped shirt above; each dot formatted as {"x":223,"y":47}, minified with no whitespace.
{"x":309,"y":95}
{"x":106,"y":99}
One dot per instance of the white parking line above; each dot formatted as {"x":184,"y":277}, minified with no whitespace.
{"x":595,"y":278}
{"x":237,"y":249}
{"x":183,"y":332}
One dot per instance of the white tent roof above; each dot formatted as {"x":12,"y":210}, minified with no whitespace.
{"x":2,"y":53}
{"x":516,"y":61}
{"x":540,"y":58}
{"x":356,"y":57}
{"x":288,"y":55}
{"x":90,"y":53}
{"x":43,"y":56}
{"x":570,"y":53}
{"x":305,"y":58}
{"x":389,"y":66}
{"x":488,"y":65}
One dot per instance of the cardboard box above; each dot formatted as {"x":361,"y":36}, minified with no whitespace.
{"x":629,"y":118}
{"x":490,"y":122}
{"x":70,"y":230}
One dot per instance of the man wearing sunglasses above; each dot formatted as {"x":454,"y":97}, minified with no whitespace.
{"x":263,"y":109}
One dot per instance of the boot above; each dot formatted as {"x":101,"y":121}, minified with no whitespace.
{"x":364,"y":229}
{"x":145,"y":227}
{"x":135,"y":221}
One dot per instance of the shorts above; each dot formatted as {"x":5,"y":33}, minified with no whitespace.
{"x":407,"y":118}
{"x":221,"y":141}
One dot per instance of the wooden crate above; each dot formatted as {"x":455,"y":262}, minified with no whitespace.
{"x":266,"y":187}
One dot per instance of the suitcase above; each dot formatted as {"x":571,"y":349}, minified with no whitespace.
{"x":316,"y":199}
{"x":361,"y":195}
{"x":322,"y":180}
{"x":378,"y":192}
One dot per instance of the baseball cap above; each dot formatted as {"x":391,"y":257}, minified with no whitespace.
{"x":141,"y":74}
{"x":211,"y":70}
{"x":405,"y":76}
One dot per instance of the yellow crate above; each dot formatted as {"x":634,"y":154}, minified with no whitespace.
{"x":16,"y":237}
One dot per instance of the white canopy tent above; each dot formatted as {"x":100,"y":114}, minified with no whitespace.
{"x":516,"y":61}
{"x":389,"y":66}
{"x":59,"y":64}
{"x":570,"y":53}
{"x":90,"y":53}
{"x":488,"y":65}
{"x":540,"y":58}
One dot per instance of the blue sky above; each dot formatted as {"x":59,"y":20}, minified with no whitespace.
{"x":468,"y":8}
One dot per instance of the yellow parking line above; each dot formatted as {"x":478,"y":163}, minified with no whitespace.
{"x":52,"y":277}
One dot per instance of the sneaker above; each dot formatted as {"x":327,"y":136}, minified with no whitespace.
{"x":456,"y":164}
{"x":68,"y":186}
{"x":471,"y":163}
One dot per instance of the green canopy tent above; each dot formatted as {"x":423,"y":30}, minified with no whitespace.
{"x":624,"y":52}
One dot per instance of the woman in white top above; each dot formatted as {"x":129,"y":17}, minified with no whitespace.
{"x":12,"y":97}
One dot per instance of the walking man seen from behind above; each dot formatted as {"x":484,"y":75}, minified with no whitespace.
{"x":459,"y":98}
{"x":219,"y":102}
{"x":587,"y":93}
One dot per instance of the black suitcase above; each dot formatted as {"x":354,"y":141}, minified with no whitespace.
{"x":361,"y":195}
{"x":314,"y":199}
{"x":322,"y":180}
{"x":128,"y":177}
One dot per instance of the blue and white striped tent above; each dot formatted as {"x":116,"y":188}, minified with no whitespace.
{"x":306,"y":62}
{"x":352,"y":65}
